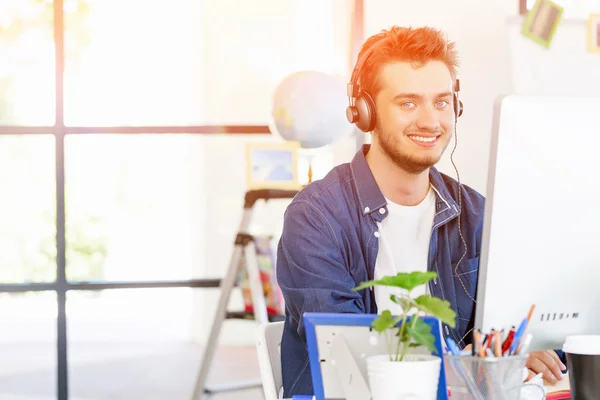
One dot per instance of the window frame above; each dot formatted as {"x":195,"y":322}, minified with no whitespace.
{"x":61,"y":285}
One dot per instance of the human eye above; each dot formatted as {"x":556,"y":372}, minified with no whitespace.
{"x":409,"y":105}
{"x":442,"y":104}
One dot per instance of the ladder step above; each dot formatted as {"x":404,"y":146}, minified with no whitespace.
{"x":239,"y":315}
{"x":276,"y":318}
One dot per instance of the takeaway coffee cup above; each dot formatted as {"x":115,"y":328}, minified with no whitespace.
{"x":583,"y":361}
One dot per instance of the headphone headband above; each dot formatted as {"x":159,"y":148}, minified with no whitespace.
{"x":353,"y":88}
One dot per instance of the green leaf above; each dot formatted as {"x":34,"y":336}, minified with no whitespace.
{"x":403,"y":280}
{"x":438,"y":308}
{"x":421,"y":333}
{"x":383,"y":321}
{"x":366,"y":284}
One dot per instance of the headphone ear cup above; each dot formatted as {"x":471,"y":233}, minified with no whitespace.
{"x":458,"y":106}
{"x":366,"y":112}
{"x":352,"y":114}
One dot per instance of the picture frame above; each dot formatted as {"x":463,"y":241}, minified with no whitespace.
{"x":272,"y":166}
{"x":323,"y":329}
{"x":541,"y":22}
{"x":594,"y":33}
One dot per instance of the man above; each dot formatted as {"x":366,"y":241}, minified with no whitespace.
{"x":389,"y":210}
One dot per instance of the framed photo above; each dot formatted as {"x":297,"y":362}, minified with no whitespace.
{"x":541,"y":22}
{"x":272,"y":165}
{"x":594,"y":33}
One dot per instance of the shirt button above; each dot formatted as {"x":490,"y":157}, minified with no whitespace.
{"x":382,"y":211}
{"x":376,"y":234}
{"x":367,"y":209}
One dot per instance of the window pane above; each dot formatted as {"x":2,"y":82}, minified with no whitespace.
{"x":135,"y":206}
{"x":27,"y":66}
{"x":137,"y":345}
{"x":213,"y":62}
{"x":157,"y":207}
{"x":27,"y":208}
{"x":28,"y":345}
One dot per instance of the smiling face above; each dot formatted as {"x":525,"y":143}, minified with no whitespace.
{"x":415,"y":116}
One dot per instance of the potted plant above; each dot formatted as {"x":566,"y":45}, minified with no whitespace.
{"x":404,"y":374}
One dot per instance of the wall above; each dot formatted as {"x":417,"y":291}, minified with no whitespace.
{"x":566,"y":68}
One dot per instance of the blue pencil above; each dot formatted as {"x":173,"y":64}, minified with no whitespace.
{"x":518,"y":335}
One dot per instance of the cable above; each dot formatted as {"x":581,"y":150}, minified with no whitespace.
{"x":462,"y":238}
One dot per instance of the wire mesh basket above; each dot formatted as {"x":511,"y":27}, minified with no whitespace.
{"x":477,"y":378}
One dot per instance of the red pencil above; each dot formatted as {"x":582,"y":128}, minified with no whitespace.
{"x":508,"y":340}
{"x":490,"y":338}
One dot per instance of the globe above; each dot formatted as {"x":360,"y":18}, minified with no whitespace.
{"x":310,"y":107}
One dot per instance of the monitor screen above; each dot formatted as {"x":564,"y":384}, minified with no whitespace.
{"x":541,"y":236}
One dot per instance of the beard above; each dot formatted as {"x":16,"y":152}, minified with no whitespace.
{"x":411,"y":163}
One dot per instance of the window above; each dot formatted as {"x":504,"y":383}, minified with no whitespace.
{"x":28,"y":345}
{"x":135,"y":207}
{"x":27,"y":67}
{"x":200,"y":63}
{"x":113,"y":208}
{"x":27,"y":209}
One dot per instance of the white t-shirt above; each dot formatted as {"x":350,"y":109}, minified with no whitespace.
{"x":404,"y":237}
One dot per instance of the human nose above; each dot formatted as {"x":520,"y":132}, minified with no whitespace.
{"x":427,"y":119}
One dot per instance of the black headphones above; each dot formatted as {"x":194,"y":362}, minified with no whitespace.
{"x":361,"y":110}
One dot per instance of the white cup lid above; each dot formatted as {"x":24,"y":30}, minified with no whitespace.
{"x":582,"y":344}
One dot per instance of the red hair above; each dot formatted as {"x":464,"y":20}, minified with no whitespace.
{"x":415,"y":45}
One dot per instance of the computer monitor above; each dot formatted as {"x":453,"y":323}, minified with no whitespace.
{"x":338,"y":348}
{"x":541,"y":234}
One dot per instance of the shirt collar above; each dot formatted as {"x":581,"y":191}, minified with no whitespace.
{"x":369,"y":194}
{"x":371,"y":199}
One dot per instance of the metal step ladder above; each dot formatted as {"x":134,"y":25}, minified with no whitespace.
{"x":243,"y":247}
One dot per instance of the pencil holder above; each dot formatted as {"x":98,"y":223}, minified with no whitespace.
{"x":477,"y":378}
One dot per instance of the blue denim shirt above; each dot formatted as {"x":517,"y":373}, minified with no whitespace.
{"x":329,"y":245}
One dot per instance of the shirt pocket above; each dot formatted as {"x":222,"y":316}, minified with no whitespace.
{"x":465,"y":284}
{"x":467,"y":267}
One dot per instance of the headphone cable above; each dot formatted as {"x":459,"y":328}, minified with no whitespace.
{"x":462,"y":238}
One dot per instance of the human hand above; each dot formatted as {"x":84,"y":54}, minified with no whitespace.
{"x":547,"y":363}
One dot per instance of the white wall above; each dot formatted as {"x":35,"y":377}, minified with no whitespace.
{"x":566,"y":68}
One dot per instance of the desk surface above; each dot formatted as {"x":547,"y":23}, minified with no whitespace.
{"x":558,"y":390}
{"x":560,"y":386}
{"x":549,"y":396}
{"x":563,"y":384}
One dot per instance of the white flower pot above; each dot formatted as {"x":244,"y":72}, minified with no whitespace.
{"x":415,"y":378}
